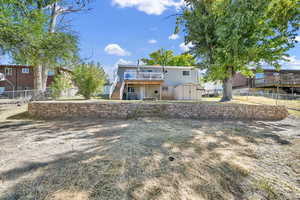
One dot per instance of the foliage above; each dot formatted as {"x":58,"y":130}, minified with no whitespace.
{"x":240,"y":34}
{"x":60,"y":84}
{"x":167,"y":58}
{"x":24,"y":36}
{"x":237,"y":35}
{"x":89,"y":79}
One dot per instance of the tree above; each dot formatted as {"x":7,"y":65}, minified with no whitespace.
{"x":89,"y":79}
{"x":167,"y":58}
{"x":58,"y":9}
{"x":30,"y":35}
{"x":235,"y":35}
{"x":60,"y":84}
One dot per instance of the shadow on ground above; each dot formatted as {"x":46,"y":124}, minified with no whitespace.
{"x":149,"y":159}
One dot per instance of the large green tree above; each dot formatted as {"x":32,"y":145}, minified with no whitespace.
{"x":236,"y":35}
{"x":167,"y":58}
{"x":29,"y":33}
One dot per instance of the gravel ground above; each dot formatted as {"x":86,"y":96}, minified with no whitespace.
{"x":149,"y":158}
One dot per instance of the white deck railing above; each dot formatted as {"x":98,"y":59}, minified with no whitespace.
{"x":143,"y":76}
{"x":112,"y":88}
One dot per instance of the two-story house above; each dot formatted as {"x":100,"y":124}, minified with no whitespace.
{"x":20,"y":77}
{"x":156,"y":82}
{"x":269,"y":80}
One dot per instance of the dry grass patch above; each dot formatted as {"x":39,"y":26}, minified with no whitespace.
{"x":146,"y":159}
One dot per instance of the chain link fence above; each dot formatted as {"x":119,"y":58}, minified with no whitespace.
{"x":291,"y":101}
{"x":26,"y":95}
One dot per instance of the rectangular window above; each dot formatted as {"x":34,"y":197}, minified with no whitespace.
{"x":8,"y":71}
{"x":25,"y":70}
{"x":259,"y":75}
{"x":130,"y":89}
{"x":51,"y":73}
{"x":186,"y":73}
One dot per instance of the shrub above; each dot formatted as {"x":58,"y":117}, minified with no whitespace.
{"x":89,"y":79}
{"x":60,"y":84}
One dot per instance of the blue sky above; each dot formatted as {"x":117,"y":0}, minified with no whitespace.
{"x":124,"y":31}
{"x":118,"y":31}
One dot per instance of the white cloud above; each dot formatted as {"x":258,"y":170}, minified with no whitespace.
{"x":115,"y":49}
{"x":174,"y":37}
{"x":297,"y":38}
{"x":151,"y":7}
{"x":152,"y":41}
{"x":186,"y":47}
{"x":292,"y":63}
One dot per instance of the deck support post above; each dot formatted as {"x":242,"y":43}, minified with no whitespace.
{"x":160,"y":91}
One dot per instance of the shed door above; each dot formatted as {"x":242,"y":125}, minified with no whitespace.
{"x":187,"y":92}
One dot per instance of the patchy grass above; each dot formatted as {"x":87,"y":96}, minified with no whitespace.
{"x":265,"y":186}
{"x":148,"y":158}
{"x":295,"y":104}
{"x":11,"y":110}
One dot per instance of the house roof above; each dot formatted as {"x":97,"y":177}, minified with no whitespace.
{"x":15,"y":66}
{"x":156,"y":66}
{"x":21,"y":66}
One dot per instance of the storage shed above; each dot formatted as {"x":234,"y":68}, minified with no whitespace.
{"x":188,"y":91}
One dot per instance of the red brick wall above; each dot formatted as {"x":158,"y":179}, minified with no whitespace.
{"x":20,"y":80}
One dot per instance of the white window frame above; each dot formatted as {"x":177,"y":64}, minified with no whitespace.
{"x":190,"y":73}
{"x":8,"y":71}
{"x":25,"y":70}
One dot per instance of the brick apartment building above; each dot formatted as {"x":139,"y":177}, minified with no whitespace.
{"x":22,"y":77}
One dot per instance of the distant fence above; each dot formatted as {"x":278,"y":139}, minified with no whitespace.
{"x":17,"y":94}
{"x":26,"y":95}
{"x":268,"y":95}
{"x":291,"y":101}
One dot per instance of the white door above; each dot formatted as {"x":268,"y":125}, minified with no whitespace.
{"x":187,"y":92}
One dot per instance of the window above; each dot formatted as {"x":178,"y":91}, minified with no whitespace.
{"x":259,"y":75}
{"x":186,"y":73}
{"x":25,"y":70}
{"x":130,"y":89}
{"x":51,"y":73}
{"x":8,"y":71}
{"x":165,"y":88}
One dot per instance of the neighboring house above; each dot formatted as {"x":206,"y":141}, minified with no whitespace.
{"x":156,"y":82}
{"x":213,"y":88}
{"x":22,"y":77}
{"x":287,"y":81}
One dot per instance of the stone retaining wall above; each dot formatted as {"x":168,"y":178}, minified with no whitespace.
{"x":118,"y":110}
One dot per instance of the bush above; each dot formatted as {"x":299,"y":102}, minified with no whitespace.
{"x":89,"y":79}
{"x":60,"y":84}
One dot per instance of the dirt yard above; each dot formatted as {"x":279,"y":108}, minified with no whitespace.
{"x":163,"y":159}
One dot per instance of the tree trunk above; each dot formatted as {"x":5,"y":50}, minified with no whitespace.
{"x":227,"y":86}
{"x":227,"y":90}
{"x":38,"y":85}
{"x":44,"y":77}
